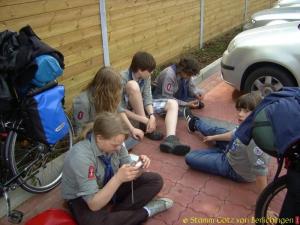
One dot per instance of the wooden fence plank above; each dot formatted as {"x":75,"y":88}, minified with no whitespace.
{"x":74,"y":36}
{"x":75,"y":69}
{"x":54,"y":17}
{"x":38,"y":7}
{"x":67,"y":26}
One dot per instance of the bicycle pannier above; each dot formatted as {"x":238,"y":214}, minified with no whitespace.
{"x":46,"y":116}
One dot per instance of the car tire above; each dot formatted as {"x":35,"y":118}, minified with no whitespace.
{"x":268,"y":79}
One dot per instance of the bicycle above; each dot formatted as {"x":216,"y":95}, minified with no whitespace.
{"x":28,"y":163}
{"x":273,"y":199}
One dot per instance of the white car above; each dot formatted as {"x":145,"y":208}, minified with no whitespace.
{"x":264,"y":59}
{"x":287,"y":3}
{"x":273,"y":16}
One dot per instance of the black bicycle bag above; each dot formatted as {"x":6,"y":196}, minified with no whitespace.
{"x":6,"y":96}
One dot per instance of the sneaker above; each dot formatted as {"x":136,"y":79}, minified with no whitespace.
{"x":155,"y":135}
{"x":172,"y":145}
{"x":158,"y":205}
{"x":187,"y":113}
{"x":190,"y":119}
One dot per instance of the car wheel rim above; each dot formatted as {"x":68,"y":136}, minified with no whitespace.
{"x":266,"y":85}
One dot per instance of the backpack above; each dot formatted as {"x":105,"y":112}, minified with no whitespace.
{"x":18,"y":53}
{"x":262,"y":133}
{"x":48,"y":70}
{"x":276,"y":122}
{"x":45,"y":115}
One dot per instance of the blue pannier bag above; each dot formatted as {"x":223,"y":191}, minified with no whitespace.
{"x":46,"y":117}
{"x":48,"y":70}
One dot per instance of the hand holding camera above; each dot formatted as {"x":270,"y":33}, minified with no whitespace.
{"x":141,"y":162}
{"x":137,"y":164}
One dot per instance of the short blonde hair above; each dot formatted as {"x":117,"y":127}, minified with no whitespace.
{"x":110,"y":124}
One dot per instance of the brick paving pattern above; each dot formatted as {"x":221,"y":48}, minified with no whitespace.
{"x":199,"y":198}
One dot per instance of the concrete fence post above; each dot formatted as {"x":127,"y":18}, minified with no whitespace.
{"x":246,"y":5}
{"x":202,"y":12}
{"x":104,"y":34}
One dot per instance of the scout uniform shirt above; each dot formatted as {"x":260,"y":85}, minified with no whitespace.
{"x":248,"y":161}
{"x":83,"y":172}
{"x":83,"y":111}
{"x":167,"y":85}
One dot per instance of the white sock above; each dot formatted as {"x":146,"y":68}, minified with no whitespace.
{"x":148,"y":211}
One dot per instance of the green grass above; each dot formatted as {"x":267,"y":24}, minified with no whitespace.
{"x":213,"y":49}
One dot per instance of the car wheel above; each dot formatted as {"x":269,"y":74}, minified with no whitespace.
{"x":267,"y":79}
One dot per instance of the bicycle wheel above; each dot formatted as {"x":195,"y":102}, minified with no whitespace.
{"x":270,"y":201}
{"x":38,"y":166}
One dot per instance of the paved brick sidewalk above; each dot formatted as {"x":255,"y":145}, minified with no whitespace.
{"x":199,"y":198}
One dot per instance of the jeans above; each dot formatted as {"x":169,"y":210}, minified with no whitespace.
{"x":208,"y":130}
{"x":212,"y":160}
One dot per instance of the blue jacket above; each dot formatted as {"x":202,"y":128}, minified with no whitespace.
{"x":283,"y":111}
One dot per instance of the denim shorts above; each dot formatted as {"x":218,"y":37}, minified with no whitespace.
{"x":159,"y":105}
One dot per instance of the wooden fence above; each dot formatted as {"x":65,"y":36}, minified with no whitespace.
{"x":166,"y":28}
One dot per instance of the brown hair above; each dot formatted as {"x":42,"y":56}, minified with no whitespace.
{"x":188,"y":65}
{"x":109,"y":124}
{"x":142,"y":61}
{"x":248,"y":101}
{"x":105,"y":90}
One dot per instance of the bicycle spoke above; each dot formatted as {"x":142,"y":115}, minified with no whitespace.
{"x":42,"y":163}
{"x":25,"y":156}
{"x":270,"y":202}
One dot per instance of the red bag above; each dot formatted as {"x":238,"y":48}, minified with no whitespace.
{"x":52,"y":217}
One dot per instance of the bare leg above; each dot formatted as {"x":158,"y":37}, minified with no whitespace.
{"x":171,"y":144}
{"x":171,"y":117}
{"x":136,"y":101}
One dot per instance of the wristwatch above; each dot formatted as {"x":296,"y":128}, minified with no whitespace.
{"x":151,"y":114}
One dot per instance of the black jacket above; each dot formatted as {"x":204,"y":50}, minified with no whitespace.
{"x":18,"y":53}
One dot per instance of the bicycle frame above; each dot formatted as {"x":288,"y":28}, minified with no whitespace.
{"x":290,"y":207}
{"x":11,"y":124}
{"x":14,"y":121}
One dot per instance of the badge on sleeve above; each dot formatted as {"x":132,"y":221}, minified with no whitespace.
{"x":80,"y":115}
{"x":169,"y":87}
{"x":234,"y":146}
{"x":91,"y":174}
{"x":259,"y":162}
{"x":257,"y":151}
